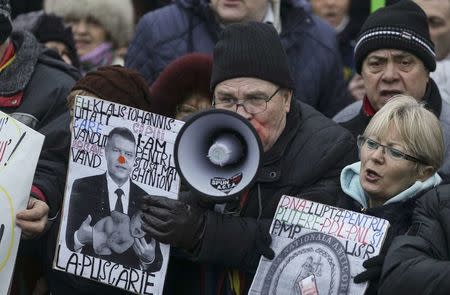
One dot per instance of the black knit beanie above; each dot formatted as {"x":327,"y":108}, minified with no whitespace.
{"x":402,"y":26}
{"x":50,"y":27}
{"x":5,"y":20}
{"x":253,"y":50}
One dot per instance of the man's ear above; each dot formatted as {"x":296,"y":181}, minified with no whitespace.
{"x":287,"y":96}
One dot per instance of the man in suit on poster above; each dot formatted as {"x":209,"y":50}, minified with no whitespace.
{"x":98,"y":224}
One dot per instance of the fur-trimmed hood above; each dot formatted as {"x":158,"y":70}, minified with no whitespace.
{"x":116,"y":16}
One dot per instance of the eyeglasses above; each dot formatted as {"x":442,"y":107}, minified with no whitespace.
{"x":252,"y":105}
{"x":393,"y":153}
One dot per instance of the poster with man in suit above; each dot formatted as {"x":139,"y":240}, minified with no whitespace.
{"x":119,"y":155}
{"x":109,"y":192}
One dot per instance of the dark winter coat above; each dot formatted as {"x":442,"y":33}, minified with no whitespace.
{"x":33,"y":90}
{"x":399,"y":216}
{"x":418,"y":263}
{"x":306,"y":160}
{"x":191,"y":26}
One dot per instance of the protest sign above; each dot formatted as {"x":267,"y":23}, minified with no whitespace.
{"x":319,"y":249}
{"x":20,"y":147}
{"x":118,"y":155}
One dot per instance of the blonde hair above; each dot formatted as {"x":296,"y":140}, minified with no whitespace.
{"x":419,"y":129}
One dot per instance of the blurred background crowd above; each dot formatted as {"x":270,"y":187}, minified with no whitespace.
{"x":170,"y":44}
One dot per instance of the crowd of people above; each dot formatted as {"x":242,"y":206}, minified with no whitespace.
{"x":352,"y":110}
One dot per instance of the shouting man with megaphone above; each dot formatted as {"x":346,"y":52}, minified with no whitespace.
{"x":303,"y":154}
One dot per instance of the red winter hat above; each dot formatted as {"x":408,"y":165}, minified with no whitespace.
{"x":187,"y":75}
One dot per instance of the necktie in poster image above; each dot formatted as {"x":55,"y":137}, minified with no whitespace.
{"x":118,"y":155}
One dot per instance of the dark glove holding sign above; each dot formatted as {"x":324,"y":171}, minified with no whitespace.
{"x":372,"y":273}
{"x":373,"y":269}
{"x":264,"y":239}
{"x":173,"y":222}
{"x":182,"y":225}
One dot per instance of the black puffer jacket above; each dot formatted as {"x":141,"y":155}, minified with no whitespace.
{"x":306,"y":160}
{"x":419,"y":262}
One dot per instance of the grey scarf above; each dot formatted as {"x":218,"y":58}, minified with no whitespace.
{"x":17,"y":75}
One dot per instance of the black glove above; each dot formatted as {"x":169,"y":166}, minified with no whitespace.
{"x":173,"y":222}
{"x":264,"y":239}
{"x":373,"y":269}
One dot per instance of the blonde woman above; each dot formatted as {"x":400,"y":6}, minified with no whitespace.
{"x":398,"y":165}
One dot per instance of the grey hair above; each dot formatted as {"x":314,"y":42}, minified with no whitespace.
{"x":116,"y":16}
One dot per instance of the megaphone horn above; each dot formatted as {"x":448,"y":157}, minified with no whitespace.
{"x":218,"y":154}
{"x":226,"y":149}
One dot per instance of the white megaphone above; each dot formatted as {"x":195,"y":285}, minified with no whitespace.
{"x":218,"y":154}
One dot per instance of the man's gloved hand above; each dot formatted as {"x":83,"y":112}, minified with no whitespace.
{"x":373,"y":269}
{"x":264,"y":239}
{"x":173,"y":222}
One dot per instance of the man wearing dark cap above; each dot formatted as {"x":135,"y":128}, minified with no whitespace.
{"x":33,"y":90}
{"x":34,"y":84}
{"x":304,"y":153}
{"x":395,"y":55}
